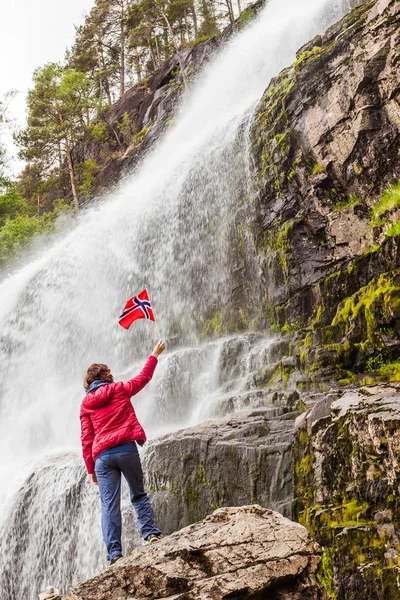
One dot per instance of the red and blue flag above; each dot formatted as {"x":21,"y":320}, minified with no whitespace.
{"x":138,"y":307}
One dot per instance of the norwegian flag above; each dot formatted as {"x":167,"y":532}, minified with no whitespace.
{"x":138,"y":307}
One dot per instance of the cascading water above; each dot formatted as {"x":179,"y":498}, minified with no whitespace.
{"x":168,"y":226}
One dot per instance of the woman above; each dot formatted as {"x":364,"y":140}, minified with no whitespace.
{"x":109,"y":434}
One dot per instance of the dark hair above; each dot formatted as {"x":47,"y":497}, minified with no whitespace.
{"x":97,"y":372}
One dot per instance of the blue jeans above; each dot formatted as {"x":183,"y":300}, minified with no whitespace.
{"x":108,"y":471}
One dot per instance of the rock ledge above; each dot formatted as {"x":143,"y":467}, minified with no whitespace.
{"x":234,"y":553}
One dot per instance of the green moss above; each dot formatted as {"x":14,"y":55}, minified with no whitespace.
{"x":263,"y":429}
{"x":275,"y":243}
{"x":393,"y":230}
{"x":372,"y":250}
{"x":138,"y":137}
{"x":325,"y":572}
{"x":300,"y":406}
{"x":379,"y":300}
{"x":352,"y":200}
{"x":388,"y":202}
{"x":318,"y":169}
{"x":213,"y":327}
{"x":308,"y":56}
{"x":390,"y":371}
{"x":274,"y":134}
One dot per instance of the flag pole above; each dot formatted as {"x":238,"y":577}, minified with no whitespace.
{"x":155,"y":320}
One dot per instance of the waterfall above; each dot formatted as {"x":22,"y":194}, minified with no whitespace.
{"x":169,"y":226}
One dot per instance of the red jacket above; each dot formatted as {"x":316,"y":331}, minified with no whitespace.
{"x":108,"y":418}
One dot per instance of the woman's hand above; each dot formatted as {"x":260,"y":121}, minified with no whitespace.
{"x":158,"y":349}
{"x":94,"y":479}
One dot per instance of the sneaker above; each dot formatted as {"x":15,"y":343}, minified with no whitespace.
{"x":152,"y":538}
{"x":115,"y":559}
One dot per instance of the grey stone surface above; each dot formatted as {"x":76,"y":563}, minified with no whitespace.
{"x":229,"y":462}
{"x":248,"y":552}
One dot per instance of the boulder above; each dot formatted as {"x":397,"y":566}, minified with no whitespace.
{"x":247,"y":552}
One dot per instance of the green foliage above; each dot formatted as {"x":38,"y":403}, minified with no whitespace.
{"x":58,"y":106}
{"x":98,"y":132}
{"x":209,"y":26}
{"x":245,"y":17}
{"x":389,"y":371}
{"x":127,"y":128}
{"x":11,"y":204}
{"x":61,"y":207}
{"x":86,"y":173}
{"x":17,"y":233}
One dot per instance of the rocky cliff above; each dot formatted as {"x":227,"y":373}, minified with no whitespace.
{"x":326,"y":146}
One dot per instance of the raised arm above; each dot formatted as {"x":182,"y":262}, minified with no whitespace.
{"x":87,"y":437}
{"x":133,"y":386}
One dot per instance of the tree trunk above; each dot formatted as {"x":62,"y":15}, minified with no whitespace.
{"x":69,"y":162}
{"x":71,"y":172}
{"x":186,"y":25}
{"x":230,"y":11}
{"x":239,"y":7}
{"x":137,"y":64}
{"x":105,"y":82}
{"x":158,"y":51}
{"x":122,"y":63}
{"x":60,"y":162}
{"x":151,"y":53}
{"x":101,"y":87}
{"x":195,"y":26}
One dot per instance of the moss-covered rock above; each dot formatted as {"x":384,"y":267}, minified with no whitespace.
{"x":346,"y":480}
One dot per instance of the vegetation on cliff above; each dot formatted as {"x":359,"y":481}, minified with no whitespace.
{"x":74,"y":129}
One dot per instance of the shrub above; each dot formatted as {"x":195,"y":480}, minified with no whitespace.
{"x":17,"y":233}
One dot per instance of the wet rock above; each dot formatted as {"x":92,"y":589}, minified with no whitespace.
{"x":51,"y":593}
{"x":347,"y":484}
{"x":239,"y":460}
{"x":246,"y":552}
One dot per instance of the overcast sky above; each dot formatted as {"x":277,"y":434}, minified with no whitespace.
{"x":33,"y":32}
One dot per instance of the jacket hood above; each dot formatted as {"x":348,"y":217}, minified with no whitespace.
{"x":96,"y":384}
{"x":99,"y":394}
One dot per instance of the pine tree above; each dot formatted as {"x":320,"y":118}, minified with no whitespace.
{"x":59,"y":109}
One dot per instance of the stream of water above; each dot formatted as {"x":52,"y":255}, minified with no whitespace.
{"x":169,"y":226}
